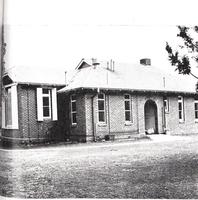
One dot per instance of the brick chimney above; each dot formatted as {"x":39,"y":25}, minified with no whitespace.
{"x":145,"y":61}
{"x":95,"y":62}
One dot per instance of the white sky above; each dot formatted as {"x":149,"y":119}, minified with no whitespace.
{"x":59,"y":33}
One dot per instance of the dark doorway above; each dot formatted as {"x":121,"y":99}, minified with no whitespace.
{"x":150,"y":116}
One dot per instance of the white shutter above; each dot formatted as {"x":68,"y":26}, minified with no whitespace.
{"x":39,"y":104}
{"x":14,"y":105}
{"x":3,"y":113}
{"x":54,"y":104}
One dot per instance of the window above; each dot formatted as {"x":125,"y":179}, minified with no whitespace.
{"x":46,"y":104}
{"x":127,"y":107}
{"x":166,"y":105}
{"x":196,"y":109}
{"x":10,"y":108}
{"x":181,"y":109}
{"x":73,"y":110}
{"x":101,"y":107}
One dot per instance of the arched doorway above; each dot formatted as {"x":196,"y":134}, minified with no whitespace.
{"x":150,"y":116}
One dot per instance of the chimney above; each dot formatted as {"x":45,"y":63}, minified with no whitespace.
{"x":65,"y":77}
{"x":107,"y":64}
{"x":113,"y":67}
{"x":145,"y":61}
{"x":95,"y":62}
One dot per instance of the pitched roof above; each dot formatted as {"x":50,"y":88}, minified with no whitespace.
{"x":31,"y":75}
{"x":130,"y":77}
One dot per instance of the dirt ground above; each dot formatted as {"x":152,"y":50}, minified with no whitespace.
{"x":146,"y":169}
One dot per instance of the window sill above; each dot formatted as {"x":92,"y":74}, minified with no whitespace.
{"x":47,"y":118}
{"x":196,"y":121}
{"x":74,"y":125}
{"x":181,"y":122}
{"x":102,"y":124}
{"x":128,"y":123}
{"x":10,"y":128}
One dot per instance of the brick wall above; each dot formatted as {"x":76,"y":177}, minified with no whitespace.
{"x":118,"y":126}
{"x":30,"y":129}
{"x":89,"y":127}
{"x":90,"y":104}
{"x":63,"y":123}
{"x":78,"y":131}
{"x":115,"y":115}
{"x":189,"y":126}
{"x":73,"y":132}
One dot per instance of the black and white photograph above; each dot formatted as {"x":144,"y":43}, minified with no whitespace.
{"x":98,"y":99}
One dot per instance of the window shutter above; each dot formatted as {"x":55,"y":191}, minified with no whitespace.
{"x":3,"y":113}
{"x":54,"y":104}
{"x":14,"y":105}
{"x":39,"y":104}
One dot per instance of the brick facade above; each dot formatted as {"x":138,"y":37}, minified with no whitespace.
{"x":30,"y":129}
{"x":115,"y":119}
{"x":189,"y":126}
{"x":88,"y":128}
{"x":72,"y":132}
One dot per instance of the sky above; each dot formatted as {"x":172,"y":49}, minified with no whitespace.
{"x":59,"y":33}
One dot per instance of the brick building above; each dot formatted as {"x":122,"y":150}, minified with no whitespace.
{"x":115,"y":100}
{"x":102,"y":100}
{"x":29,"y":105}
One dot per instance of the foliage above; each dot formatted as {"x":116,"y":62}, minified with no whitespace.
{"x":187,"y":53}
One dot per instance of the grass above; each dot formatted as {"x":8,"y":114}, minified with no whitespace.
{"x":119,"y":170}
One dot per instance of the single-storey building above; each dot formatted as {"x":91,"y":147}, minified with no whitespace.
{"x":106,"y":99}
{"x":101,"y":100}
{"x":29,"y":105}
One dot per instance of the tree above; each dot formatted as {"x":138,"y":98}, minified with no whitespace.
{"x":186,"y":55}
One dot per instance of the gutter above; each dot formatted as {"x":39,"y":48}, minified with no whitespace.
{"x":42,"y":84}
{"x":10,"y":85}
{"x":127,"y":90}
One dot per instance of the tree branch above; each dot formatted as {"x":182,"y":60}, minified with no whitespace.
{"x":193,"y":75}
